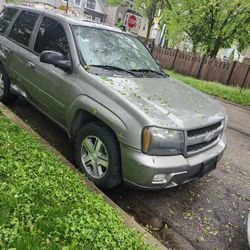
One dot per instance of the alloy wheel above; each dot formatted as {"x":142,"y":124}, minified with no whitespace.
{"x":94,"y":157}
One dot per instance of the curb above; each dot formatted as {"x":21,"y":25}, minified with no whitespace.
{"x":128,"y":220}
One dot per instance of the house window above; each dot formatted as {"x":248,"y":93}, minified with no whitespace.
{"x":97,"y":19}
{"x":91,"y":4}
{"x":78,"y":3}
{"x":88,"y":17}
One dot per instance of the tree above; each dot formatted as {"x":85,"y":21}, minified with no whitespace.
{"x":146,"y":8}
{"x":149,"y":9}
{"x":210,"y":24}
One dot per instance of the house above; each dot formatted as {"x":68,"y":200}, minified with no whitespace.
{"x":89,"y":9}
{"x":93,"y":10}
{"x":97,"y":10}
{"x":132,"y":21}
{"x":2,"y":2}
{"x":114,"y":14}
{"x":245,"y":56}
{"x":233,"y":54}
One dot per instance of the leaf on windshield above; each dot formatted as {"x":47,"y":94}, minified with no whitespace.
{"x":86,"y":67}
{"x":136,"y":95}
{"x":106,"y":79}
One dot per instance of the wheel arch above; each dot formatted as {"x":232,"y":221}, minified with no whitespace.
{"x":80,"y":119}
{"x":85,"y":110}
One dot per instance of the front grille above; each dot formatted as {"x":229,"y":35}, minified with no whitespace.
{"x":198,"y":146}
{"x":199,"y":131}
{"x":201,"y":139}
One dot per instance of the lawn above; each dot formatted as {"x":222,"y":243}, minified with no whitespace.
{"x":45,"y":205}
{"x":216,"y":89}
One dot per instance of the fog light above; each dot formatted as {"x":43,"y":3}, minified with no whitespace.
{"x":159,"y":179}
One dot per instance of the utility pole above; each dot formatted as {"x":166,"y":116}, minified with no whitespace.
{"x":67,"y":6}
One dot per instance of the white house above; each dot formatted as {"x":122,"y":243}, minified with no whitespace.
{"x":93,"y":9}
{"x":90,"y":9}
{"x":2,"y":2}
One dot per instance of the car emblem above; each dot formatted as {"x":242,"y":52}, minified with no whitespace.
{"x":209,"y":136}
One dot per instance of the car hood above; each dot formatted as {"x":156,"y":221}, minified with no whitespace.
{"x":167,"y":102}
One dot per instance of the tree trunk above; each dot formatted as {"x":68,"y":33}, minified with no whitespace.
{"x":150,"y":23}
{"x":208,"y":50}
{"x":214,"y":51}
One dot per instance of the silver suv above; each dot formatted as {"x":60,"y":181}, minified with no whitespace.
{"x":129,"y":121}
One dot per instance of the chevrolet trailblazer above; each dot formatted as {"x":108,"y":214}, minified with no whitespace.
{"x":129,"y":121}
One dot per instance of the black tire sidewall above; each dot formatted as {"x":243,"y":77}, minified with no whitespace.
{"x":7,"y":96}
{"x":113,"y":175}
{"x":4,"y":78}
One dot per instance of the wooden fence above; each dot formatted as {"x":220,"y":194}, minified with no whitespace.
{"x":205,"y":68}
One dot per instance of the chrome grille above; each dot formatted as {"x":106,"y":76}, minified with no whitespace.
{"x":201,"y":139}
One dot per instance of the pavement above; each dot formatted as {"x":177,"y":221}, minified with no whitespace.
{"x":207,"y":213}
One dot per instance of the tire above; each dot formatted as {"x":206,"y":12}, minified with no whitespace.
{"x":5,"y":95}
{"x":97,"y":154}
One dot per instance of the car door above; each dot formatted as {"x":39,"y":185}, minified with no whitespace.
{"x":7,"y":16}
{"x":19,"y":40}
{"x":48,"y":86}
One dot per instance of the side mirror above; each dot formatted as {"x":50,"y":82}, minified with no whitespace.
{"x":57,"y":59}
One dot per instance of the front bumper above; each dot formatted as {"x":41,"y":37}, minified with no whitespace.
{"x":139,"y":169}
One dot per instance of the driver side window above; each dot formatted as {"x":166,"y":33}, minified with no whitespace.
{"x":51,"y":36}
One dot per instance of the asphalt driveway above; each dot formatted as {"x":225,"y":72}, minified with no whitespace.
{"x":207,"y":213}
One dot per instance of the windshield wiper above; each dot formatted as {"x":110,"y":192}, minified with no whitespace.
{"x":110,"y":67}
{"x":148,"y":71}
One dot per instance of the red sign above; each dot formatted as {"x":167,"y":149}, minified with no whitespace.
{"x":132,"y":22}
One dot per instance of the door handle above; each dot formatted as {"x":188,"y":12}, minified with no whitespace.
{"x":30,"y":65}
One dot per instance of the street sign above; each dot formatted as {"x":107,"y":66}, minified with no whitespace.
{"x":132,"y":21}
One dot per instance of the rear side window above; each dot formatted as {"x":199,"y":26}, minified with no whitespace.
{"x":5,"y":18}
{"x":51,"y":36}
{"x":23,"y":27}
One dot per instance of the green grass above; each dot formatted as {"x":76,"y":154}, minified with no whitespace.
{"x":45,"y":205}
{"x":217,"y":89}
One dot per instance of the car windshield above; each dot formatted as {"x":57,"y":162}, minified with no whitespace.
{"x":114,"y":50}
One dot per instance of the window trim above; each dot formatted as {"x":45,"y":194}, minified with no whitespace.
{"x":32,"y":33}
{"x":12,"y":23}
{"x":80,"y":57}
{"x":42,"y":16}
{"x":86,"y":17}
{"x":35,"y":33}
{"x":5,"y":34}
{"x":99,"y":19}
{"x":90,"y":7}
{"x":77,"y":4}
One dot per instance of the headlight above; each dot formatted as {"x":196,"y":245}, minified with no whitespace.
{"x":159,"y":141}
